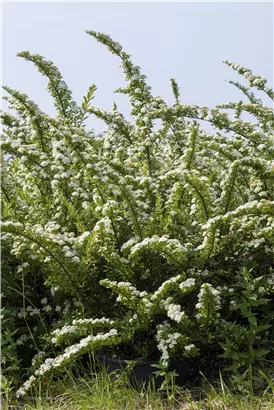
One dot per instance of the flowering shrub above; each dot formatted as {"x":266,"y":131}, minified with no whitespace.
{"x":177,"y":221}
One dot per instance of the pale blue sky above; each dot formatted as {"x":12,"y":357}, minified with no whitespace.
{"x":187,"y":41}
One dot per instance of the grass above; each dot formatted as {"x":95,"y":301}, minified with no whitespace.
{"x":102,"y":392}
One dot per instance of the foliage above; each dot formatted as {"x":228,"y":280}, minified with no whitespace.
{"x":178,"y":221}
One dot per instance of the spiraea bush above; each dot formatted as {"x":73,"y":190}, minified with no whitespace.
{"x":157,"y":238}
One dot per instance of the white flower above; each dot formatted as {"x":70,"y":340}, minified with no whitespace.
{"x":69,"y":254}
{"x":174,"y":312}
{"x":187,"y":283}
{"x":47,"y":308}
{"x":35,"y":311}
{"x":189,"y":347}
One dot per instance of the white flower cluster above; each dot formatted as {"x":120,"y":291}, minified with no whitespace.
{"x":79,"y":328}
{"x":173,"y":310}
{"x":37,"y":358}
{"x":125,"y":290}
{"x":166,"y":341}
{"x":69,"y":353}
{"x":26,"y":386}
{"x":30,"y":310}
{"x":209,"y":302}
{"x":97,"y":321}
{"x":254,"y":80}
{"x":164,"y":287}
{"x":187,"y":284}
{"x":127,"y":245}
{"x":169,"y":247}
{"x":64,"y":331}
